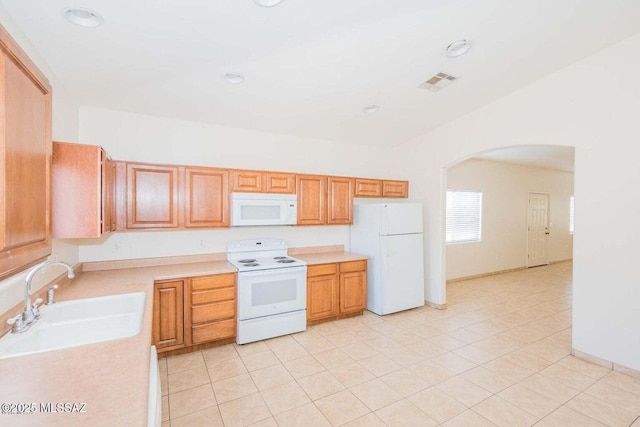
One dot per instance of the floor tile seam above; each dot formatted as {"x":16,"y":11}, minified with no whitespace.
{"x":585,"y":374}
{"x":560,"y":402}
{"x":601,"y":401}
{"x":601,"y":380}
{"x":578,"y":411}
{"x":538,"y":419}
{"x":193,"y":412}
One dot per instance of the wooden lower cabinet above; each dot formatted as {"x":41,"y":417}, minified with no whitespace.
{"x":194,"y":311}
{"x":322,"y":291}
{"x":211,"y":301}
{"x":336,"y":290}
{"x":353,"y":287}
{"x":168,"y":320}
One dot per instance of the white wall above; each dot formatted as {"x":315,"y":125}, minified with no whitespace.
{"x":64,"y":127}
{"x":592,"y":105}
{"x":505,"y":190}
{"x":136,"y":137}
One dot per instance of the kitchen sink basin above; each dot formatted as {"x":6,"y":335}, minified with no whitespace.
{"x":78,"y":322}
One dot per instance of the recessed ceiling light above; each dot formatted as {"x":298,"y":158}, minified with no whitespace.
{"x":458,"y":48}
{"x":369,"y":109}
{"x":83,"y":17}
{"x":233,"y":78}
{"x":267,"y":3}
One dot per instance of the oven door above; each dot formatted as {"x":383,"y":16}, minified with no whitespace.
{"x":266,"y":292}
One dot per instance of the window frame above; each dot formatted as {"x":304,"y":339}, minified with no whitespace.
{"x":476,"y":218}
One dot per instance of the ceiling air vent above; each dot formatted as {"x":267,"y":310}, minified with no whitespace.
{"x":437,"y":82}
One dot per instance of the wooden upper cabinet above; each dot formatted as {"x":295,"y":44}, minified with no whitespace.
{"x":395,"y":189}
{"x":206,"y":194}
{"x":108,"y":194}
{"x":340,"y":200}
{"x":25,"y":160}
{"x":82,"y":191}
{"x":152,"y":196}
{"x":312,"y":198}
{"x":249,"y":181}
{"x":277,"y":182}
{"x":368,"y":187}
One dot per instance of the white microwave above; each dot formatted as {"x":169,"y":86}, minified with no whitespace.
{"x":263,"y":209}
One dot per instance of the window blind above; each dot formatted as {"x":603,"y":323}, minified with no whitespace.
{"x":464,"y":216}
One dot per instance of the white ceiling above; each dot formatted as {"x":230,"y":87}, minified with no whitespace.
{"x":311,"y":66}
{"x":544,"y":156}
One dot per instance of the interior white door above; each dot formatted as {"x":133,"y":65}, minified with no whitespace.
{"x":537,"y":229}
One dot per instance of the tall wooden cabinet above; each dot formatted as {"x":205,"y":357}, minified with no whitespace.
{"x":25,"y":160}
{"x":83,"y":191}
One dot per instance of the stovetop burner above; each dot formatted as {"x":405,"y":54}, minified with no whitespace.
{"x":261,"y":254}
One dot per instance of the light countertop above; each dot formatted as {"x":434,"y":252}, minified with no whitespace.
{"x":330,"y":257}
{"x":110,"y":377}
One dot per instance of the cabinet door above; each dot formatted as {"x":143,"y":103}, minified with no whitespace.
{"x":25,"y":160}
{"x":78,"y":182}
{"x":340,"y":200}
{"x":395,"y":189}
{"x":168,"y":322}
{"x":353,"y":287}
{"x":152,"y":196}
{"x":280,"y":182}
{"x":368,"y":187}
{"x":108,"y":196}
{"x":322,"y":292}
{"x":247,"y":181}
{"x":312,"y":197}
{"x":206,"y":197}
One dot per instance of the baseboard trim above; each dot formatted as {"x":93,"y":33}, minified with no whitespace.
{"x":493,"y":273}
{"x":606,"y":363}
{"x":436,"y":306}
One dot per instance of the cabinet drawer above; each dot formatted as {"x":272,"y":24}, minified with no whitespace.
{"x":213,"y":282}
{"x":213,"y":331}
{"x":346,"y":267}
{"x":321,"y":270}
{"x":211,"y":312}
{"x":213,"y":295}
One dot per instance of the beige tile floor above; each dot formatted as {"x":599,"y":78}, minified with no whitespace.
{"x":499,"y":355}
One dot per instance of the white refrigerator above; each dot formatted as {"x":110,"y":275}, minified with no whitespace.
{"x":391,"y":235}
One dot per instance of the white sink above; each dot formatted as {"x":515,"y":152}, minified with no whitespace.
{"x":78,"y":322}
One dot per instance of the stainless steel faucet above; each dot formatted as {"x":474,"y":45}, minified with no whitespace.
{"x":31,"y":313}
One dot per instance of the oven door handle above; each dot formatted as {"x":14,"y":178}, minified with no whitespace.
{"x":272,"y":271}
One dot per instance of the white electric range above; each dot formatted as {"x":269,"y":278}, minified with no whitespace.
{"x":272,"y":289}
